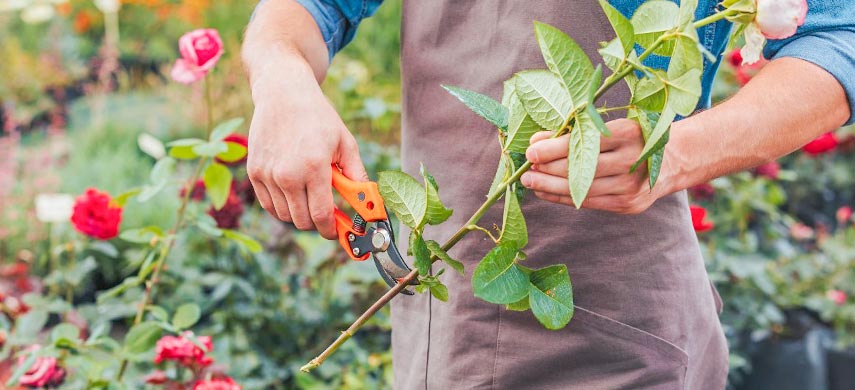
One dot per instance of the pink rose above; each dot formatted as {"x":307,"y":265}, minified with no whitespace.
{"x":836,"y":296}
{"x":217,"y":384}
{"x":844,"y":214}
{"x":801,"y":232}
{"x":769,"y":170}
{"x":200,"y":50}
{"x":779,"y":19}
{"x":44,"y":372}
{"x":156,"y":377}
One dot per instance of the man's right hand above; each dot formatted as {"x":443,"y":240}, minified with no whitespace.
{"x":294,"y":137}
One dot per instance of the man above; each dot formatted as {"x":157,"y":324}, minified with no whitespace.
{"x":646,"y":315}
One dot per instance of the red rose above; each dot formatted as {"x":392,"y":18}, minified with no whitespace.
{"x":200,"y":50}
{"x":769,"y":170}
{"x":836,"y":296}
{"x":182,"y":350}
{"x":95,"y":215}
{"x":44,"y":372}
{"x":735,"y":57}
{"x":702,"y":191}
{"x":228,"y":217}
{"x":198,"y":192}
{"x":156,"y":377}
{"x":823,"y":144}
{"x":238,"y":139}
{"x":699,"y":215}
{"x":243,"y":189}
{"x":217,"y":384}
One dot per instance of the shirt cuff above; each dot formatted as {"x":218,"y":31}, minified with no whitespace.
{"x":832,"y":50}
{"x":330,"y":21}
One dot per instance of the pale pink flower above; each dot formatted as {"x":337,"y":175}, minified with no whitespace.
{"x":836,"y":296}
{"x":801,"y":232}
{"x":844,"y":214}
{"x":779,"y":19}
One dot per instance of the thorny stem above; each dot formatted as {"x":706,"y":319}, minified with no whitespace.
{"x":625,"y":69}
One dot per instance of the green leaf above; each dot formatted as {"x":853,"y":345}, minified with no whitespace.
{"x":551,"y":296}
{"x":218,"y":183}
{"x":223,"y":129}
{"x":520,"y":127}
{"x":141,"y":337}
{"x":211,"y":149}
{"x":243,"y":240}
{"x":687,"y":13}
{"x":162,"y":170}
{"x":158,"y":312}
{"x":149,"y":191}
{"x":514,"y":230}
{"x":439,"y":291}
{"x":142,"y":235}
{"x":31,"y":323}
{"x":484,"y":106}
{"x":123,"y":198}
{"x":420,"y":252}
{"x":437,"y":251}
{"x":651,"y":20}
{"x":622,"y":26}
{"x":684,"y":92}
{"x":509,"y":88}
{"x":404,"y":196}
{"x":544,"y":97}
{"x":497,"y":279}
{"x":235,"y":152}
{"x":650,"y":94}
{"x":182,"y":149}
{"x":591,"y":109}
{"x":435,"y":212}
{"x":657,"y":138}
{"x":647,"y":121}
{"x":687,"y":55}
{"x":186,"y":316}
{"x":65,"y":334}
{"x":503,"y":172}
{"x":584,"y":150}
{"x":521,"y":305}
{"x":209,"y":228}
{"x":565,"y":59}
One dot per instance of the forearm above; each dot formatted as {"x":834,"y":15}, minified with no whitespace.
{"x":283,"y":39}
{"x":789,"y":103}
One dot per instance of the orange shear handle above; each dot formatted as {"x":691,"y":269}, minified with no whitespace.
{"x":365,"y":199}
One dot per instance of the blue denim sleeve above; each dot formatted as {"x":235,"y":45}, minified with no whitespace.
{"x":827,"y":39}
{"x":338,"y":19}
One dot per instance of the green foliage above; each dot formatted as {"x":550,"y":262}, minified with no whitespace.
{"x":218,"y":183}
{"x":498,"y":279}
{"x":514,"y":230}
{"x":403,"y":196}
{"x":544,"y":97}
{"x":484,"y":106}
{"x":551,"y":296}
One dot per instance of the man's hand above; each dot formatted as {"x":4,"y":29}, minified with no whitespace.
{"x":614,"y":188}
{"x":294,"y":137}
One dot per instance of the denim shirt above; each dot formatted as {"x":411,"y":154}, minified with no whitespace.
{"x":827,"y":38}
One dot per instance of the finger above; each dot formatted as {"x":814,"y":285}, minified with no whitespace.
{"x":320,"y":200}
{"x":612,"y":185}
{"x":280,"y":204}
{"x":538,"y":181}
{"x":554,"y":168}
{"x":298,"y":207}
{"x":349,"y":160}
{"x":540,"y":136}
{"x":554,"y":198}
{"x":263,"y":196}
{"x":623,"y":131}
{"x":548,"y":150}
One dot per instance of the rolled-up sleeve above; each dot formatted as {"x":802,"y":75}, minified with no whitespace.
{"x":337,"y":19}
{"x":827,"y":39}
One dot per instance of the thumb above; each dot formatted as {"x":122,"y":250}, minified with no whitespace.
{"x":349,"y":160}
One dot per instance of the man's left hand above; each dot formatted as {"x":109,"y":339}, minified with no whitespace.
{"x":614,"y":188}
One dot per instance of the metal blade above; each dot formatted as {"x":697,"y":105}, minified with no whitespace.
{"x":390,"y":263}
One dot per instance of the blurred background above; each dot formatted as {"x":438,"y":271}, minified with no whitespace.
{"x":84,"y":90}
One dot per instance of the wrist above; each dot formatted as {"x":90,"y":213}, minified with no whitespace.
{"x":282,"y":78}
{"x":677,"y":173}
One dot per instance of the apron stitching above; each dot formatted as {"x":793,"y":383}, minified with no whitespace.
{"x":498,"y":343}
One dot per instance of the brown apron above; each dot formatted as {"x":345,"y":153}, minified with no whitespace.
{"x":646,"y":315}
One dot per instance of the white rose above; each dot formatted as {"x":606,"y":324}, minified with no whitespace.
{"x":779,"y":19}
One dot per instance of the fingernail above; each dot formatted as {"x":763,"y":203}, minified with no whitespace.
{"x":534,"y":157}
{"x":525,"y":179}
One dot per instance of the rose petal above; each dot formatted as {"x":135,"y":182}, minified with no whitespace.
{"x":186,"y":73}
{"x":754,"y":42}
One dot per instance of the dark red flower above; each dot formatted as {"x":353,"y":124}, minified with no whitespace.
{"x":156,"y":377}
{"x":699,"y":221}
{"x":217,"y":384}
{"x":228,"y":217}
{"x":198,"y":192}
{"x":702,"y":191}
{"x":735,"y":57}
{"x":238,"y":139}
{"x":96,"y":216}
{"x":823,"y":144}
{"x":769,"y":170}
{"x":182,"y":350}
{"x":243,"y":188}
{"x":44,"y":372}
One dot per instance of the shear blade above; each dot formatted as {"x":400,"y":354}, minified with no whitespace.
{"x":389,"y":263}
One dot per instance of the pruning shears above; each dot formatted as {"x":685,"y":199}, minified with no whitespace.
{"x":359,"y":239}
